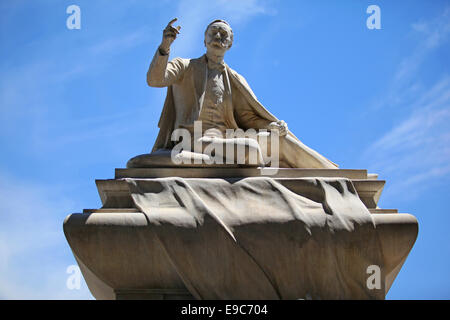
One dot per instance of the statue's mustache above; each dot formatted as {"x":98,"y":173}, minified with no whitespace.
{"x":218,"y":42}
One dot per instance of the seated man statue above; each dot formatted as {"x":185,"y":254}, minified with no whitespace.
{"x":208,"y":92}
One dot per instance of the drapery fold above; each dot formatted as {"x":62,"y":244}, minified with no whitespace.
{"x":257,"y":238}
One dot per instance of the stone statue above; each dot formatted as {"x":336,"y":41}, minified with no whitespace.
{"x":207,"y":90}
{"x":172,"y":232}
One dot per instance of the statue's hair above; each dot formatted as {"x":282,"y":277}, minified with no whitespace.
{"x":223,"y":21}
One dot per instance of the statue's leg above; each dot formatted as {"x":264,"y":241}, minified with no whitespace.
{"x":294,"y":154}
{"x":233,"y":150}
{"x":298,"y":155}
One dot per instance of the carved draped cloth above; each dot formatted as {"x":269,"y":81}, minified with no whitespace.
{"x":258,"y":238}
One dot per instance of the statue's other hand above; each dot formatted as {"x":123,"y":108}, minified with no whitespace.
{"x":170,"y":34}
{"x":279,"y":125}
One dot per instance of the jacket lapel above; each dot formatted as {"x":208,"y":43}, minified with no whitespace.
{"x":245,"y":90}
{"x":200,"y":77}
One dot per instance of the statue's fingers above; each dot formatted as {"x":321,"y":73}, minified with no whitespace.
{"x":176,"y":30}
{"x":172,"y":21}
{"x":172,"y":29}
{"x":170,"y":33}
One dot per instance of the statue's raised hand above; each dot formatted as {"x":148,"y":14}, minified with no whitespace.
{"x":169,"y":35}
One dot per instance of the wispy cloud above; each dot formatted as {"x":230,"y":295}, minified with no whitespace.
{"x":417,"y":149}
{"x":434,"y":34}
{"x":405,"y":85}
{"x":32,"y":106}
{"x":122,"y":42}
{"x":423,"y":138}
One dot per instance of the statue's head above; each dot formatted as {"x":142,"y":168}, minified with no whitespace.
{"x":218,"y":36}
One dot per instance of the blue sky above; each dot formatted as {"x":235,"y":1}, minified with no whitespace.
{"x":74,"y":105}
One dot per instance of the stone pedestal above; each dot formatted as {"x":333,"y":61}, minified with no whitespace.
{"x":121,"y":258}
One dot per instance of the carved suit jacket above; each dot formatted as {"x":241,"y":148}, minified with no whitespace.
{"x":185,"y":80}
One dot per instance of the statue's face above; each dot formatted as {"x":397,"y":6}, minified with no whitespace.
{"x":218,"y":37}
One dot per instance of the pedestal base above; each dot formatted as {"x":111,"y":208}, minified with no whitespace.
{"x":121,"y":257}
